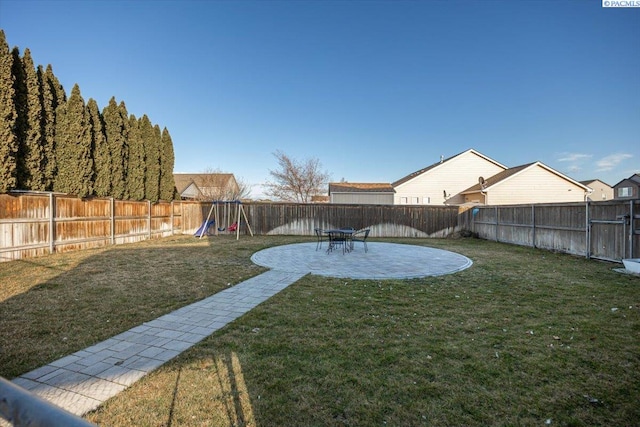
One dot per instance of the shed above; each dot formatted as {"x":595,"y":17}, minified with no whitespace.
{"x":361,"y":193}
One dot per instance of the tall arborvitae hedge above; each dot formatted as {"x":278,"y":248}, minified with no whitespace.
{"x":73,"y":147}
{"x":53,"y":96}
{"x":137,"y":165}
{"x":116,"y":139}
{"x":101,"y":156}
{"x":167,"y":183}
{"x":49,"y":142}
{"x":152,"y":160}
{"x":8,"y":114}
{"x":20,"y":129}
{"x":32,"y":146}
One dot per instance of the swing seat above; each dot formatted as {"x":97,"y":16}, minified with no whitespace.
{"x":233,"y":227}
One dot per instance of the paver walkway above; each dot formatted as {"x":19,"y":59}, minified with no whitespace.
{"x":84,"y":380}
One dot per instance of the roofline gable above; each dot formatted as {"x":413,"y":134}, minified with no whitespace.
{"x":635,"y":179}
{"x":510,"y":173}
{"x":436,"y":165}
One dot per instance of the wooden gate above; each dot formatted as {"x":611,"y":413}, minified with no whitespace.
{"x":612,"y":234}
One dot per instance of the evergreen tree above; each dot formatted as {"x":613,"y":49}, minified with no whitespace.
{"x":8,"y":114}
{"x":73,"y":147}
{"x":136,"y":169}
{"x":124,"y":119}
{"x":152,"y":159}
{"x":20,"y":99}
{"x":115,"y":131}
{"x":101,"y":157}
{"x":167,"y":158}
{"x":157,"y":143}
{"x":32,"y":147}
{"x":53,"y":95}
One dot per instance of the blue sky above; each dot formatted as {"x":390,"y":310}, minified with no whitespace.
{"x":373,"y":89}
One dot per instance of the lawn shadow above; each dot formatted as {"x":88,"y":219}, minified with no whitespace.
{"x":60,"y":304}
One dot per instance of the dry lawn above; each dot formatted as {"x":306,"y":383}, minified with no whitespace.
{"x":523,"y":337}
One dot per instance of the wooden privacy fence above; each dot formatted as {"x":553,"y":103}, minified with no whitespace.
{"x":602,"y":230}
{"x":33,"y":224}
{"x":383,"y":220}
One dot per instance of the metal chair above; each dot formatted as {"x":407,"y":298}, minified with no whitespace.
{"x":338,"y":238}
{"x":361,"y":236}
{"x":321,"y":237}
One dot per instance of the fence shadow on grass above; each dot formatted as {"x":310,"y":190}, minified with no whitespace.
{"x":53,"y":306}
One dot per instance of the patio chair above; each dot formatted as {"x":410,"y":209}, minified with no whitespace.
{"x":361,"y":236}
{"x":321,"y":237}
{"x":336,"y":238}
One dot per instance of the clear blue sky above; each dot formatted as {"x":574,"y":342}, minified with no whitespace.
{"x":373,"y":89}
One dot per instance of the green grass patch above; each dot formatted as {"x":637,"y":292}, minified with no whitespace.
{"x":523,"y":337}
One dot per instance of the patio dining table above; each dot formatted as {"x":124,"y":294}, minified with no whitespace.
{"x":340,"y":237}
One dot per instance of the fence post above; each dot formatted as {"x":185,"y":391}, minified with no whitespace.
{"x":149,"y":221}
{"x":113,"y":221}
{"x":171,"y":216}
{"x":497,"y":222}
{"x":52,"y":223}
{"x":588,"y":230}
{"x":533,"y":225}
{"x":631,"y":228}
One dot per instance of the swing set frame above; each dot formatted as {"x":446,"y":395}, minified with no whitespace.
{"x":226,"y":206}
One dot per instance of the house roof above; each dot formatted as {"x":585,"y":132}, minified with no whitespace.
{"x":435,"y":165}
{"x":493,"y":180}
{"x":506,"y":174}
{"x":360,"y":187}
{"x":591,"y":181}
{"x":635,"y":178}
{"x":184,"y":180}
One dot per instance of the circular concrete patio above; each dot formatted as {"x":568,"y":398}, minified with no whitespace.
{"x":382,"y":261}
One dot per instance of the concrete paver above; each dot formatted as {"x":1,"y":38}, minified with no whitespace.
{"x":82,"y":381}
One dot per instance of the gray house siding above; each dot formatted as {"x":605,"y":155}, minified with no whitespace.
{"x":362,"y":198}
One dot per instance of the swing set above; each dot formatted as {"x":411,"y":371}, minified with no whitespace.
{"x":223,"y":213}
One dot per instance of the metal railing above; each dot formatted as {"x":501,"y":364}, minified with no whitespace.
{"x":21,"y":408}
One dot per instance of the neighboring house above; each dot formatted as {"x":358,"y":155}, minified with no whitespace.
{"x":206,"y":186}
{"x":600,"y":190}
{"x":530,"y":183}
{"x":442,"y":182}
{"x":628,"y":188}
{"x":361,"y":193}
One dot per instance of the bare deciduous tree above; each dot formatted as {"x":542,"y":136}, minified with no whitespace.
{"x":296,"y":181}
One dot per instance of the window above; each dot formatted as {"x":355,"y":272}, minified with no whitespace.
{"x":624,"y":192}
{"x":426,"y":200}
{"x":416,"y":200}
{"x":404,"y":201}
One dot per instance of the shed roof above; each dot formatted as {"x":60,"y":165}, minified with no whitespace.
{"x":360,"y":187}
